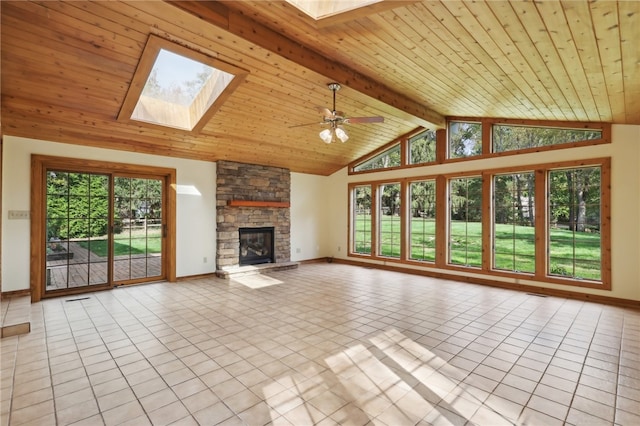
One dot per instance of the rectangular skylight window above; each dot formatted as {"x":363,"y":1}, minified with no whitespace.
{"x":176,"y":87}
{"x":324,"y":9}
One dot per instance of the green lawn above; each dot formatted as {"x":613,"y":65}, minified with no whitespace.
{"x":514,"y":246}
{"x":125,"y":243}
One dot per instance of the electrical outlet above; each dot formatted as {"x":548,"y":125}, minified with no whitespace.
{"x":298,"y":250}
{"x":204,"y":260}
{"x":338,"y":248}
{"x":18,"y":214}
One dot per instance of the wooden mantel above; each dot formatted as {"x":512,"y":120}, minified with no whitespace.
{"x":249,"y":203}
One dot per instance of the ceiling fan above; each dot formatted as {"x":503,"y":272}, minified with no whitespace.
{"x":335,"y":119}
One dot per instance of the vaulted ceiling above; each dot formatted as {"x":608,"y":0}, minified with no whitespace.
{"x":67,"y":67}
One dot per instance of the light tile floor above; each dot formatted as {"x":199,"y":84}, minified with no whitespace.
{"x":325,"y":344}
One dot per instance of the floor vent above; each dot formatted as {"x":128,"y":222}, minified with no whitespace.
{"x":79,"y":298}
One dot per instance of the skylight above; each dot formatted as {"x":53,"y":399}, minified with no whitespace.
{"x":318,"y":9}
{"x":176,"y":87}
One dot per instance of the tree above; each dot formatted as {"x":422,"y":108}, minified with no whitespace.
{"x":466,"y":199}
{"x":511,"y":138}
{"x":363,"y":200}
{"x":390,"y":198}
{"x":423,"y":199}
{"x":388,"y":158}
{"x":422,"y":147}
{"x":573,"y":192}
{"x":465,"y":139}
{"x":77,"y":205}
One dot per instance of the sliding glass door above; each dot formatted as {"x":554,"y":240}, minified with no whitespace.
{"x":138,"y":229}
{"x":102,"y":230}
{"x":77,"y":224}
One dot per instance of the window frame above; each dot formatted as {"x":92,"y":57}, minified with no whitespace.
{"x":449,"y":260}
{"x":549,"y":127}
{"x":39,"y":166}
{"x":416,"y":137}
{"x":353,"y":227}
{"x":532,"y":212}
{"x":410,"y":217}
{"x":147,"y":61}
{"x":541,"y":273}
{"x":380,"y":235}
{"x":442,"y":142}
{"x":379,"y":154}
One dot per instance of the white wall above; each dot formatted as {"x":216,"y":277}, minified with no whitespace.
{"x":625,"y":204}
{"x":308,"y":217}
{"x":195,"y":214}
{"x":318,"y":206}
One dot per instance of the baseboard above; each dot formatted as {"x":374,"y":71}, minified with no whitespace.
{"x":316,"y":260}
{"x":14,"y":293}
{"x":195,"y":277}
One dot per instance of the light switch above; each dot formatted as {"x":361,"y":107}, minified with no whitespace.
{"x":18,"y":214}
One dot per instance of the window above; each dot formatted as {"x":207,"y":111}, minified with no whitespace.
{"x":361,"y":219}
{"x":514,"y":222}
{"x":465,"y":221}
{"x":389,"y":222}
{"x":422,"y":148}
{"x":465,"y":139}
{"x":323,"y":9}
{"x":575,"y":223}
{"x":100,"y":225}
{"x":470,"y":140}
{"x":546,"y":222}
{"x":384,"y":160}
{"x":422,"y":224}
{"x":556,"y":238}
{"x":510,"y":138}
{"x":178,"y":87}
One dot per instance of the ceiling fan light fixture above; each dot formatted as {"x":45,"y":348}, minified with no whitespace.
{"x":334,"y":134}
{"x":341,"y":134}
{"x":326,"y":135}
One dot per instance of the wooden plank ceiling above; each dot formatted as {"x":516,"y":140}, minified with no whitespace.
{"x":67,"y":66}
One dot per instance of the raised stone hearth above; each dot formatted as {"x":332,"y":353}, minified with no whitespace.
{"x":251,"y":196}
{"x":243,"y":271}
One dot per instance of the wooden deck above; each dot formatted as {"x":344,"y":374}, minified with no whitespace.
{"x":85,"y":268}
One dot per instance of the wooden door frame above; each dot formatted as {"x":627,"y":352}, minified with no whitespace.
{"x":39,"y":166}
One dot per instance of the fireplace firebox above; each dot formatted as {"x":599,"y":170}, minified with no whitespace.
{"x":256,"y":246}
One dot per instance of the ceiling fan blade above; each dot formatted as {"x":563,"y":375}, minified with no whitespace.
{"x":308,"y":124}
{"x":325,"y":111}
{"x":356,"y":120}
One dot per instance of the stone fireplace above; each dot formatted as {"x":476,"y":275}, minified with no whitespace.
{"x":251,"y":196}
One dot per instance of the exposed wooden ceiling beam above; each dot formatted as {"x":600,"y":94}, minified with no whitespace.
{"x":218,"y":14}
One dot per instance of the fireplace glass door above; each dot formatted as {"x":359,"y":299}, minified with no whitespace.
{"x":256,"y":246}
